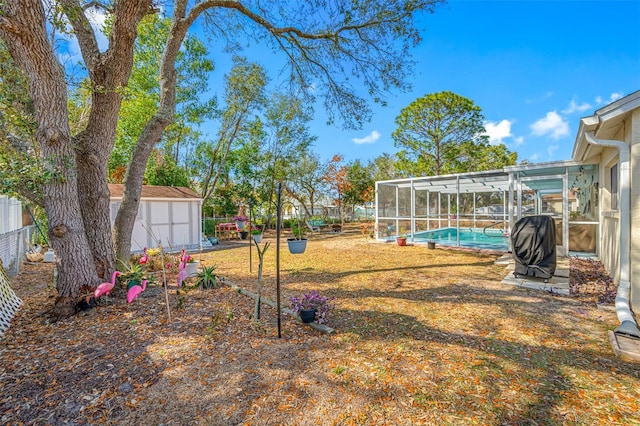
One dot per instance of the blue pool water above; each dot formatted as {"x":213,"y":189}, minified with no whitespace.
{"x":492,"y":239}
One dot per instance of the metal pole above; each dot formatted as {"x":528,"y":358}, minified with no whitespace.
{"x":250,"y":237}
{"x":278,"y":225}
{"x":458,"y":212}
{"x":429,"y":210}
{"x":413,"y":211}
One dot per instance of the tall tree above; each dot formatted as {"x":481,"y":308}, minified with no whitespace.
{"x":361,"y":184}
{"x":21,"y":172}
{"x":243,"y":97}
{"x":384,"y":167}
{"x":305,"y":182}
{"x":287,"y":141}
{"x":76,"y":192}
{"x":444,"y":133}
{"x":326,"y":43}
{"x":141,"y":97}
{"x":336,"y":177}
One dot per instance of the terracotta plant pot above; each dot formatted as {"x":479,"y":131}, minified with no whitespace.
{"x":402,"y":241}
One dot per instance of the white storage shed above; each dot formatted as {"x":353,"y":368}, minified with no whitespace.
{"x":169,"y":214}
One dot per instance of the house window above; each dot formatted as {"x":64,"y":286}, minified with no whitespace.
{"x":614,"y":187}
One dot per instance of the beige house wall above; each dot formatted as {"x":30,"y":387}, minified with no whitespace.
{"x":609,"y":249}
{"x":610,"y":245}
{"x":632,"y":134}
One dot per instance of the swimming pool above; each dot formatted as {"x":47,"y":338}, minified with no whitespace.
{"x":492,"y":239}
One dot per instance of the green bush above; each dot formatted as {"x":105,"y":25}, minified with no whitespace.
{"x":206,"y":278}
{"x":210,"y":226}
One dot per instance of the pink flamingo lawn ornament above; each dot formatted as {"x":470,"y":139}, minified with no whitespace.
{"x":135,"y":291}
{"x":145,"y":257}
{"x":182,"y":275}
{"x":105,"y":288}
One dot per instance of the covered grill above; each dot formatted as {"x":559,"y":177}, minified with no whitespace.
{"x":533,"y":240}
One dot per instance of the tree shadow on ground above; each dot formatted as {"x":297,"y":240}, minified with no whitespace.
{"x":548,"y":367}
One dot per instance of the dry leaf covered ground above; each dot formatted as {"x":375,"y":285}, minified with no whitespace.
{"x":422,"y":337}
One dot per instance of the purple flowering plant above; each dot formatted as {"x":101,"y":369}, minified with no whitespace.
{"x":313,"y":300}
{"x":242,"y":215}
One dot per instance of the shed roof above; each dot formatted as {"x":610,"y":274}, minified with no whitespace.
{"x":158,"y":192}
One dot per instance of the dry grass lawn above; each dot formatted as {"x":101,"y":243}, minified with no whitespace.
{"x":422,"y":337}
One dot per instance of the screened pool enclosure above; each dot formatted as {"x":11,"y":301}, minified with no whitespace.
{"x":479,"y":209}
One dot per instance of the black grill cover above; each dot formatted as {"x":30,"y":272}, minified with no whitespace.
{"x":533,"y":240}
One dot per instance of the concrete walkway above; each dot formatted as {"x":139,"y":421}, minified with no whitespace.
{"x":558,"y":284}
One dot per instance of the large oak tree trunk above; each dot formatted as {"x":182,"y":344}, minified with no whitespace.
{"x":77,"y":197}
{"x":92,"y":158}
{"x":151,"y":135}
{"x":25,"y":35}
{"x":109,"y":72}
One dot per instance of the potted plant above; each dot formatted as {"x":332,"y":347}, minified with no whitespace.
{"x":297,"y":244}
{"x":453,"y":211}
{"x":401,"y":240}
{"x":191,"y":267}
{"x":257,"y":235}
{"x":134,"y":275}
{"x":136,"y":279}
{"x":241,"y":219}
{"x":312,"y":306}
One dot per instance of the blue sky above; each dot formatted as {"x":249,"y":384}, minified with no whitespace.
{"x":534,"y":67}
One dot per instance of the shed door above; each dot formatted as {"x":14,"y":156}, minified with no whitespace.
{"x":181,"y":224}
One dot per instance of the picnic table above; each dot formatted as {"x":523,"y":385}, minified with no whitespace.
{"x":229,"y":229}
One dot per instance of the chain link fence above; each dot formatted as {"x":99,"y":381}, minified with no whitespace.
{"x":13,"y":246}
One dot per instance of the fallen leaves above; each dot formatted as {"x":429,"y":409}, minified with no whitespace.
{"x":424,"y":337}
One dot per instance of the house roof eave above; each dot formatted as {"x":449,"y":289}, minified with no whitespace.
{"x":603,"y":123}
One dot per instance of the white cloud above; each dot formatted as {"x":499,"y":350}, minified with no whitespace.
{"x":574,"y":107}
{"x":615,"y":96}
{"x":97,"y":17}
{"x":551,"y":150}
{"x":370,"y":138}
{"x":497,"y":132}
{"x":552,"y":125}
{"x":518,"y":141}
{"x":612,"y":98}
{"x":534,"y":157}
{"x":68,"y":50}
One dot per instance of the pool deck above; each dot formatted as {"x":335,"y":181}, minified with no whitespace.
{"x":558,"y":284}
